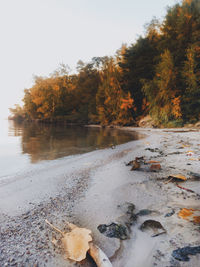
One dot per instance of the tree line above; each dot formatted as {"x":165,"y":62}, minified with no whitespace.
{"x":158,"y":75}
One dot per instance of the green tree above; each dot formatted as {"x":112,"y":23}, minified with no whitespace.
{"x":191,"y":77}
{"x":162,"y":93}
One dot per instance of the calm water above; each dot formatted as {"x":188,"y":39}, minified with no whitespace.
{"x":23,"y":144}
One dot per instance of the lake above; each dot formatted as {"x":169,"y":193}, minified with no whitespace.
{"x":25,"y":144}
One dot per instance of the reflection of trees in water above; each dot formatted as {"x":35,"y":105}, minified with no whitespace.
{"x":50,"y":141}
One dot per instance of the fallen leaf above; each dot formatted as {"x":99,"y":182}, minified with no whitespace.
{"x":178,"y":177}
{"x":155,"y":167}
{"x":136,"y":165}
{"x":194,"y":159}
{"x":152,"y":161}
{"x":76,"y":243}
{"x":192,"y":215}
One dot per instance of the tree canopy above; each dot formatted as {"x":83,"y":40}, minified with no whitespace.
{"x":159,"y":74}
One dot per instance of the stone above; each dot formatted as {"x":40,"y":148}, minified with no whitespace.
{"x":181,"y":254}
{"x":114,"y":230}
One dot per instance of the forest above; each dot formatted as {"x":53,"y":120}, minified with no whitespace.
{"x":158,"y":75}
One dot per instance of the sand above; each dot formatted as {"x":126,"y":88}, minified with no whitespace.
{"x":88,"y":189}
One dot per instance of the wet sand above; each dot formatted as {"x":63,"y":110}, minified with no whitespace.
{"x":88,"y":190}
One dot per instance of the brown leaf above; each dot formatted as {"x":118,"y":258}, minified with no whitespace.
{"x":76,"y":243}
{"x":155,"y":167}
{"x":152,"y":161}
{"x":136,"y":165}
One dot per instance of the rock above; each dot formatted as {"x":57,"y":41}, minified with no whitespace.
{"x":152,"y":149}
{"x":129,"y":217}
{"x":114,"y":230}
{"x":144,"y":212}
{"x":170,"y":214}
{"x":181,"y":254}
{"x":153,"y":227}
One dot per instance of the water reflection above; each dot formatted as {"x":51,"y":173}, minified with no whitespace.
{"x":48,"y":142}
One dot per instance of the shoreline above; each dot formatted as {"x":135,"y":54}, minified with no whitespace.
{"x":87,"y":190}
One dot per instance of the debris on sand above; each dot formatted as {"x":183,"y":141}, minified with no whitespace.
{"x":77,"y":242}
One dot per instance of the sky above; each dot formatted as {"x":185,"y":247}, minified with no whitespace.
{"x":37,"y":35}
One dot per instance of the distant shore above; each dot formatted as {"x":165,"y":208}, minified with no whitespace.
{"x":88,"y":190}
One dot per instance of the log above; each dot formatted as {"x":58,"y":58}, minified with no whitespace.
{"x":99,"y":256}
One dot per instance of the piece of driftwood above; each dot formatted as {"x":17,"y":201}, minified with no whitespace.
{"x":99,"y":256}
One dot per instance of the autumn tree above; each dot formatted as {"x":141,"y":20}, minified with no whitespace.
{"x":110,"y":97}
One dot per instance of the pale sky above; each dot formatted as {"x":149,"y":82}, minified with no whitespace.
{"x":37,"y":35}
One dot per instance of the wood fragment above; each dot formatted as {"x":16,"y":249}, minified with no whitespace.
{"x":168,"y":181}
{"x":99,"y":256}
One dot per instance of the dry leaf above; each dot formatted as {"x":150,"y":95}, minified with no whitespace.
{"x":190,"y":215}
{"x":178,"y":176}
{"x":152,"y":161}
{"x":136,"y":165}
{"x":76,"y":243}
{"x":155,"y":167}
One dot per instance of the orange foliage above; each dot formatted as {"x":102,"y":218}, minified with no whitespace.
{"x":127,"y":103}
{"x":176,"y":107}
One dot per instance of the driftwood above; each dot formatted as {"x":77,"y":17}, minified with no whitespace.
{"x":99,"y":256}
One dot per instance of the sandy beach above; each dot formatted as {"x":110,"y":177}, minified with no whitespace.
{"x":93,"y":189}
